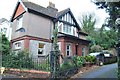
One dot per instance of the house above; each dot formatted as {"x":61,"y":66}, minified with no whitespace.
{"x":5,"y":28}
{"x":33,"y":25}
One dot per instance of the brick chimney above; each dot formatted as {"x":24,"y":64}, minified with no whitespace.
{"x":52,"y":7}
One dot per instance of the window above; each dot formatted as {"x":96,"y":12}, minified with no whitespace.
{"x":19,"y":22}
{"x":18,"y":45}
{"x":83,"y":51}
{"x":68,"y":49}
{"x":60,"y":26}
{"x":4,"y":30}
{"x":40,"y":48}
{"x":67,"y":29}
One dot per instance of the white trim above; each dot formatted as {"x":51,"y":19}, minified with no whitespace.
{"x":68,"y":44}
{"x":60,"y":24}
{"x":23,"y":5}
{"x":19,"y":22}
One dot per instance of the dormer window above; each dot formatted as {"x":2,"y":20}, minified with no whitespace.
{"x":19,"y":22}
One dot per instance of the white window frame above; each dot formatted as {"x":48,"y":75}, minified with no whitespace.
{"x":68,"y":44}
{"x":19,"y":22}
{"x":67,"y":29}
{"x":83,"y":51}
{"x":59,"y":45}
{"x":41,"y":49}
{"x":18,"y":45}
{"x":60,"y":24}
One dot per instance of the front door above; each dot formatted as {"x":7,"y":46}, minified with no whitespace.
{"x":76,"y":49}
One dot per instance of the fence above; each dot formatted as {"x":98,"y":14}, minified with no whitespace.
{"x":40,"y":63}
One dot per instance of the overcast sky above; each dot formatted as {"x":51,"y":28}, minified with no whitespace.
{"x":78,"y":7}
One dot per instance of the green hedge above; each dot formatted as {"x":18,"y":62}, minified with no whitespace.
{"x":17,"y":60}
{"x":89,"y":58}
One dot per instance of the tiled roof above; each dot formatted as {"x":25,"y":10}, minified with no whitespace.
{"x":47,"y":11}
{"x":43,"y":10}
{"x":62,"y":12}
{"x":40,"y":9}
{"x":2,"y":20}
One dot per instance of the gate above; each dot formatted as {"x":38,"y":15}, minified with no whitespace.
{"x":65,"y":69}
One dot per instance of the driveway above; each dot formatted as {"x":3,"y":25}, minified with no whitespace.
{"x":106,"y":71}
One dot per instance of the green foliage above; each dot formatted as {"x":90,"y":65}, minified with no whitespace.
{"x":110,"y":60}
{"x":4,"y":44}
{"x":67,"y":65}
{"x":88,"y":23}
{"x":102,"y":37}
{"x":42,"y":66}
{"x":112,"y":8}
{"x":95,"y":48}
{"x":78,"y":60}
{"x":17,"y":60}
{"x":90,"y":59}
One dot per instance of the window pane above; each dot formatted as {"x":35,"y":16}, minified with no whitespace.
{"x":41,"y":45}
{"x":68,"y":50}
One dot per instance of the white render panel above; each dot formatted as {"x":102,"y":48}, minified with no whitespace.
{"x":34,"y":48}
{"x":59,"y":44}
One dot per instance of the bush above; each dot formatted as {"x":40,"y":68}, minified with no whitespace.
{"x":96,"y":48}
{"x":110,"y":60}
{"x":78,"y":60}
{"x":68,"y":63}
{"x":91,"y":59}
{"x":17,"y":60}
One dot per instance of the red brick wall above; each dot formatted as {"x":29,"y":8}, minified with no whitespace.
{"x":26,"y":43}
{"x":73,"y":47}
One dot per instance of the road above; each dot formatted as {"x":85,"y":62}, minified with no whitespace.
{"x":106,"y":71}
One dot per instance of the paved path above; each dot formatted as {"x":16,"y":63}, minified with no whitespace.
{"x":106,"y":71}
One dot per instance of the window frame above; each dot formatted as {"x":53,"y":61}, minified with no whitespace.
{"x":41,"y":48}
{"x":19,"y":22}
{"x":18,"y":45}
{"x":83,"y":51}
{"x":68,"y":44}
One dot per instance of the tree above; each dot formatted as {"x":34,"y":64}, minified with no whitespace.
{"x":4,"y":45}
{"x":113,"y":8}
{"x":102,"y":37}
{"x":88,"y":23}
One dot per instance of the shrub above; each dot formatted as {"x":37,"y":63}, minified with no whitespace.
{"x":17,"y":60}
{"x":96,"y":48}
{"x":78,"y":60}
{"x":90,"y":59}
{"x":68,"y":63}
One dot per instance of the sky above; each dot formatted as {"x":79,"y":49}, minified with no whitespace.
{"x":78,"y":7}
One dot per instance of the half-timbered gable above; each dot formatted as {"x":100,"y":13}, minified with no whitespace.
{"x":67,"y":23}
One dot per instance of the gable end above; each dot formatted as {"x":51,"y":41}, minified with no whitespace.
{"x":18,"y":11}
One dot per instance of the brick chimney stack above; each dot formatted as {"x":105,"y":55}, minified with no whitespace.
{"x":52,"y":7}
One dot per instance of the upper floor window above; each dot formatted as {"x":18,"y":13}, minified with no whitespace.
{"x":67,"y":29}
{"x":19,"y":22}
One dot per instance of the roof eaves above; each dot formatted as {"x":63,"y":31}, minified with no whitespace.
{"x":11,"y":20}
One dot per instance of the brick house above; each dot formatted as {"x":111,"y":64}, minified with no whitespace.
{"x":32,"y":28}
